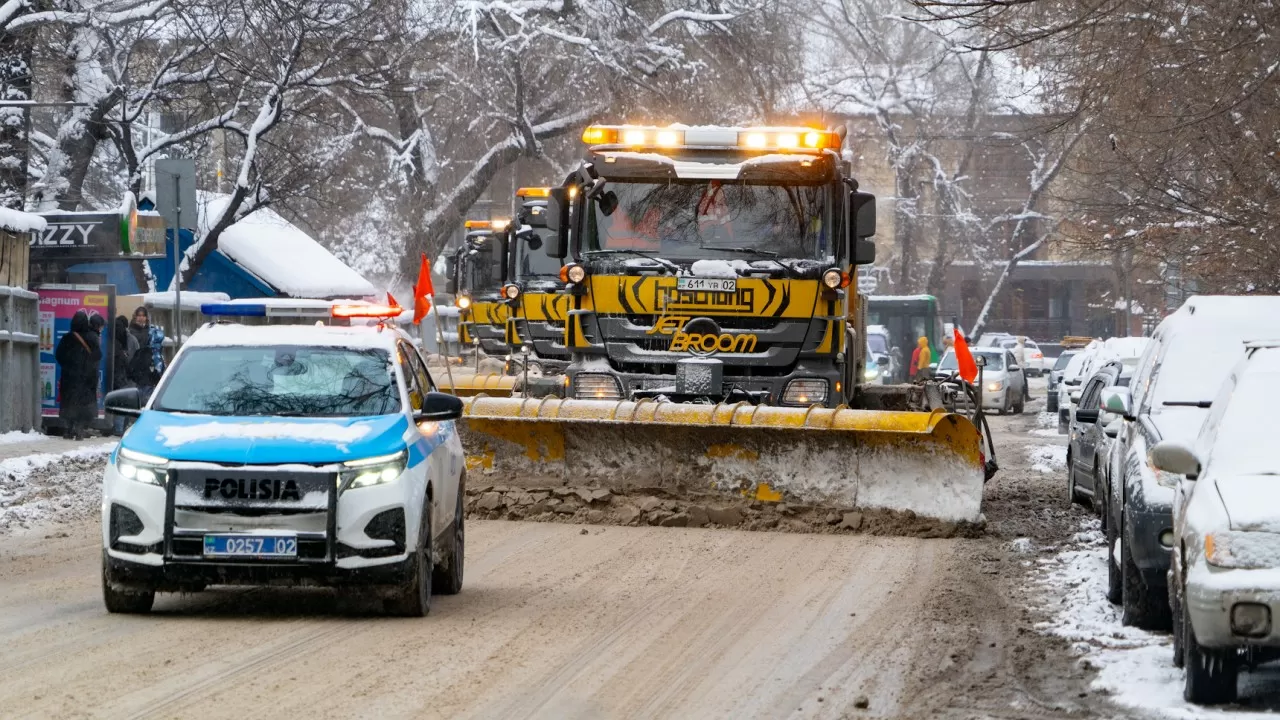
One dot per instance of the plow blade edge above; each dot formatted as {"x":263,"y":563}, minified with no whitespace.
{"x":927,"y":463}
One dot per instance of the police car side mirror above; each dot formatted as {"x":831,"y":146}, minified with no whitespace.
{"x":126,"y":402}
{"x":439,"y":406}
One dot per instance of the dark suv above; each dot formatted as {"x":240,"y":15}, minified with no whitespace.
{"x":1093,"y":430}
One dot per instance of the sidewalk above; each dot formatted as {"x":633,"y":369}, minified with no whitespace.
{"x":11,"y":447}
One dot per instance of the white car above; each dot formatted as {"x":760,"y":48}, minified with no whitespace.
{"x":1003,"y":381}
{"x":1224,"y":575}
{"x":1127,"y":350}
{"x":287,"y":454}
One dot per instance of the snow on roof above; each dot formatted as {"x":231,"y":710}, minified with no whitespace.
{"x":281,"y":254}
{"x":224,"y":335}
{"x":21,"y":222}
{"x":191,"y":300}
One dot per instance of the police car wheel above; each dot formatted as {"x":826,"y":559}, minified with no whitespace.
{"x":413,"y":598}
{"x":447,"y":579}
{"x":131,"y":602}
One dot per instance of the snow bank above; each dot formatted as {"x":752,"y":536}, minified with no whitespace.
{"x":50,"y":487}
{"x":1134,"y":666}
{"x":282,"y":254}
{"x":18,"y":436}
{"x":21,"y":222}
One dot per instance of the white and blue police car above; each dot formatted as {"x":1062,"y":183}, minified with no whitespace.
{"x":287,"y":454}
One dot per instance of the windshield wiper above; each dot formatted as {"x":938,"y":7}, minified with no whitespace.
{"x":638,"y":253}
{"x":746,"y":250}
{"x":1188,"y":403}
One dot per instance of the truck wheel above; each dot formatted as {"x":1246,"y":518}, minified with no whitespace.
{"x":413,"y":598}
{"x":1211,"y":674}
{"x":130,"y":602}
{"x":1115,"y":589}
{"x":1141,"y":608}
{"x":447,"y":578}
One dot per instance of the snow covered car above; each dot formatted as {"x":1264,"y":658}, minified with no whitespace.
{"x":287,"y":454}
{"x":1093,"y":431}
{"x":1224,"y":574}
{"x":1003,"y":381}
{"x":1189,"y":356}
{"x":1055,"y":377}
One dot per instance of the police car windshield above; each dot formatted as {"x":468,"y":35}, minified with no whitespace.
{"x":280,"y":380}
{"x":713,"y":219}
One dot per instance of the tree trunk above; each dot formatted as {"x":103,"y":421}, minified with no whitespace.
{"x":15,"y":122}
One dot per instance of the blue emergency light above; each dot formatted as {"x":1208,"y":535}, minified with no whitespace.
{"x":233,"y":310}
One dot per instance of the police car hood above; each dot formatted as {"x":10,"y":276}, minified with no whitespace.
{"x":265,"y":440}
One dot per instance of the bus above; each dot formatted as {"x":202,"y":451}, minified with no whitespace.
{"x":907,"y":318}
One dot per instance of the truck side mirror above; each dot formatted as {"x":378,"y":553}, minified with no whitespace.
{"x":557,"y":244}
{"x":451,"y":275}
{"x":862,"y":209}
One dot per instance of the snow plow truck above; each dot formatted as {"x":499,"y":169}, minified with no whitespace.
{"x":715,"y":343}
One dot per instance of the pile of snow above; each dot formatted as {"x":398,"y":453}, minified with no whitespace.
{"x":1134,"y":666}
{"x":51,"y":487}
{"x":1048,"y":459}
{"x":18,"y":436}
{"x":21,"y":222}
{"x":281,"y":254}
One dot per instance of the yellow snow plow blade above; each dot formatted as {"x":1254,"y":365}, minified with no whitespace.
{"x":469,"y":385}
{"x":927,"y":463}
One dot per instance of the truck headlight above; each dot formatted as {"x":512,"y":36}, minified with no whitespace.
{"x":1247,"y":550}
{"x":805,"y":392}
{"x":141,"y":467}
{"x":376,"y":470}
{"x":596,"y":386}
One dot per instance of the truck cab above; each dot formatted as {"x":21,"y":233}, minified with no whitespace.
{"x":534,"y":288}
{"x":713,"y":264}
{"x":476,"y":273}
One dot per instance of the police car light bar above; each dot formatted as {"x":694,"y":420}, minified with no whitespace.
{"x":799,"y":139}
{"x":367,"y":311}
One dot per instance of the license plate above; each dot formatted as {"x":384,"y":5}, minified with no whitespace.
{"x":707,"y":284}
{"x":270,"y":546}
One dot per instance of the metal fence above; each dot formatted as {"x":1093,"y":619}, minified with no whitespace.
{"x":19,"y":360}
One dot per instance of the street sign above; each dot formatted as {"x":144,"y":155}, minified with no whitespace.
{"x":867,"y":283}
{"x":176,"y":201}
{"x":176,"y":190}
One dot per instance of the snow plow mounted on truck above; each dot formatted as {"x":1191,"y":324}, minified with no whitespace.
{"x":715,"y":343}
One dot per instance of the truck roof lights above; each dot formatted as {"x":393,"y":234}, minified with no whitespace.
{"x":781,"y":139}
{"x":495,"y":225}
{"x":533,"y":192}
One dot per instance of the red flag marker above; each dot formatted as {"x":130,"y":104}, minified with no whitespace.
{"x":964,"y":358}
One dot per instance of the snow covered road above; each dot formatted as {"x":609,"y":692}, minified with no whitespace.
{"x":568,"y":621}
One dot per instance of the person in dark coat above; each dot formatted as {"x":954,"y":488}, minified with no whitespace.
{"x":146,"y":365}
{"x":124,"y":346}
{"x":78,"y":354}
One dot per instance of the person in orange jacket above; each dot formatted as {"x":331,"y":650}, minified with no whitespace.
{"x":921,"y":358}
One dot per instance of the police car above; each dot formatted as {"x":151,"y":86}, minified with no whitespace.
{"x":287,"y":454}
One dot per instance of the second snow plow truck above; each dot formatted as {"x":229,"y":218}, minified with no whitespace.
{"x":716,"y":344}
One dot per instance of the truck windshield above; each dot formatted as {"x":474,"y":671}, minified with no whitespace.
{"x":714,"y":219}
{"x":531,"y":259}
{"x":481,"y":271}
{"x":281,"y":380}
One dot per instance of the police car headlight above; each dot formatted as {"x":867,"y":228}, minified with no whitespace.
{"x":144,"y":468}
{"x":376,"y":470}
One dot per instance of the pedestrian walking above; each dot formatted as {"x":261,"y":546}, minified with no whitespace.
{"x":1020,"y":355}
{"x":78,"y":354}
{"x":921,"y":359}
{"x":123,"y":346}
{"x":147,"y":364}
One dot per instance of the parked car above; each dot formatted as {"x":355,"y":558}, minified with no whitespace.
{"x":1225,"y":588}
{"x":992,"y":339}
{"x":1055,"y":377}
{"x":1003,"y":380}
{"x":1095,"y":355}
{"x":877,"y":369}
{"x":1191,"y":353}
{"x":1072,"y":378}
{"x":1092,"y":430}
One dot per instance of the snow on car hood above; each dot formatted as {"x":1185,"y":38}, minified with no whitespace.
{"x":1252,"y":501}
{"x":265,"y":440}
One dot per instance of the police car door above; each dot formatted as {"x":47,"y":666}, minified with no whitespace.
{"x":432,"y":437}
